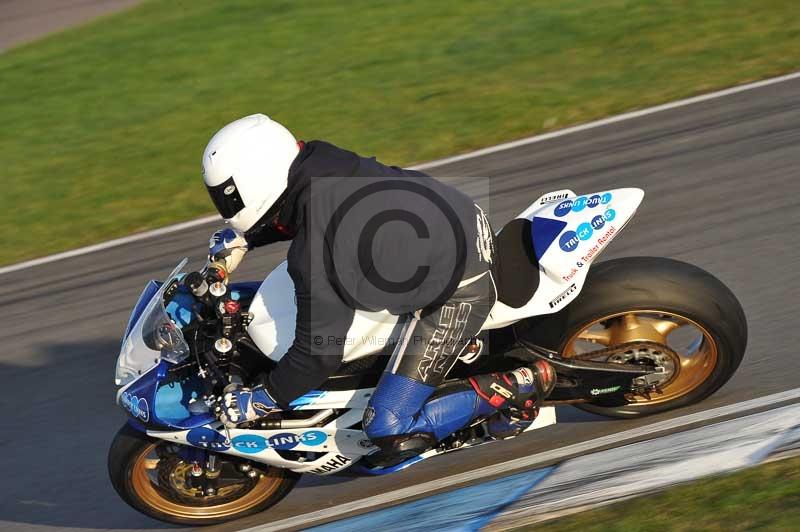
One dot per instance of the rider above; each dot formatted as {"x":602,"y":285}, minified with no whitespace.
{"x":270,"y":187}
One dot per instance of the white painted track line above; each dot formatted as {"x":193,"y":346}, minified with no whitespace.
{"x":527,"y":462}
{"x":111,"y":244}
{"x":609,"y":120}
{"x":432,"y":164}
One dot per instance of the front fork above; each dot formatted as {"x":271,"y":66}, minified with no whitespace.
{"x":206,"y":468}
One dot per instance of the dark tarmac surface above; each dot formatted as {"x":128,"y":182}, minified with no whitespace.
{"x":722,"y":192}
{"x":22,"y":21}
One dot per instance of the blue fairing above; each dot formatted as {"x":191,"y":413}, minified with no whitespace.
{"x":155,"y":400}
{"x":543,"y":232}
{"x":154,"y":404}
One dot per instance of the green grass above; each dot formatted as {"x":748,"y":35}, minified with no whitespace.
{"x":763,"y":498}
{"x":102,"y":127}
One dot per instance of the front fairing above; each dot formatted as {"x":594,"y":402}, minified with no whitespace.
{"x":151,"y":335}
{"x":156,"y":400}
{"x":149,"y":291}
{"x":153,"y":396}
{"x":152,"y":345}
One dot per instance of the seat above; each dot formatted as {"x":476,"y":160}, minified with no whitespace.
{"x":516,"y":268}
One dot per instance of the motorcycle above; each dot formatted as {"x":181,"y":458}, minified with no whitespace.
{"x":627,"y":337}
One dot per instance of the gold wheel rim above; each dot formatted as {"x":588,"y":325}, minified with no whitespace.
{"x":146,"y":484}
{"x":690,"y":342}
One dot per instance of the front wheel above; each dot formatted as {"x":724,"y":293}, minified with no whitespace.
{"x":686,"y":321}
{"x":151,"y":476}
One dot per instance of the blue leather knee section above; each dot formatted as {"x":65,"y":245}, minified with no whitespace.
{"x":399,"y":406}
{"x":394,"y":405}
{"x":446,"y":414}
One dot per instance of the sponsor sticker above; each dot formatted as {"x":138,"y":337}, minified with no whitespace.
{"x":208,"y":439}
{"x":255,"y":443}
{"x":599,"y":244}
{"x":288,"y":440}
{"x":563,"y":296}
{"x":601,"y":391}
{"x":137,"y":406}
{"x":369,"y":415}
{"x":331,"y":465}
{"x":250,"y":443}
{"x":552,"y":198}
{"x":563,"y":208}
{"x":593,"y":201}
{"x":571,"y":275}
{"x":584,"y":231}
{"x":582,"y":202}
{"x":568,"y":241}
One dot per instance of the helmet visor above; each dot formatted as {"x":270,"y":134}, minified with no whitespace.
{"x":226,"y":198}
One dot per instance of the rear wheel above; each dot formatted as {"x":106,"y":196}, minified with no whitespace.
{"x":151,"y":476}
{"x":686,"y":322}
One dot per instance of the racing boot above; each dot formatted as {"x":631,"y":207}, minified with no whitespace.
{"x":516,"y":395}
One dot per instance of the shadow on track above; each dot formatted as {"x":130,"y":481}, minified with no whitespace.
{"x":59,"y":420}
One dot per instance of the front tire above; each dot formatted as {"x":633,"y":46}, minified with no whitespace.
{"x":151,"y":477}
{"x":654,"y":300}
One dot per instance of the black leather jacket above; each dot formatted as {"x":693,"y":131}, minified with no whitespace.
{"x":370,"y":237}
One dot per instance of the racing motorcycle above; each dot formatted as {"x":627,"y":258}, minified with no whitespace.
{"x":627,"y":337}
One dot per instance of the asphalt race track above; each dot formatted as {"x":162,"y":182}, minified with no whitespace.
{"x":22,"y":21}
{"x":723,"y":191}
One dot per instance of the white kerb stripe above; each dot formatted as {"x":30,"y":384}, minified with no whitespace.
{"x":424,"y":166}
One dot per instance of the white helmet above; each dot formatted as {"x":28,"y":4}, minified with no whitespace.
{"x":246,"y":167}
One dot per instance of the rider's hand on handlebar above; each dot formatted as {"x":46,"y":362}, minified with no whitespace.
{"x":227,"y":246}
{"x":245,"y":404}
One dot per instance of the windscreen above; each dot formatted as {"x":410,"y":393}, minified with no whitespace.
{"x":152,"y":336}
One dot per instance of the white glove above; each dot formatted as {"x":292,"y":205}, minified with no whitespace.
{"x":227,"y":246}
{"x":245,"y":404}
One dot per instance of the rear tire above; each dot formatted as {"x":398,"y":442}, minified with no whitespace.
{"x":125,"y":461}
{"x":646,"y":286}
